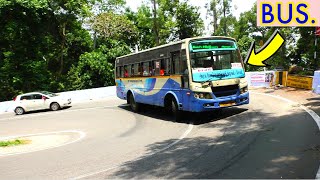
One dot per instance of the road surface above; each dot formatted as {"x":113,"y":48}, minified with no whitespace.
{"x":269,"y":138}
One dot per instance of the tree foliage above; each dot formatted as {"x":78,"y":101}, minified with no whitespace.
{"x":72,"y":44}
{"x":93,"y":71}
{"x":39,"y":41}
{"x":113,"y":26}
{"x":188,"y":21}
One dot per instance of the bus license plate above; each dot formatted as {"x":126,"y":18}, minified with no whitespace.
{"x":226,"y":104}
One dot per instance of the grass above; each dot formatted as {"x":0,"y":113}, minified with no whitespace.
{"x":13,"y":143}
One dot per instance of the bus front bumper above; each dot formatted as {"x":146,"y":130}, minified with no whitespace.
{"x":202,"y":105}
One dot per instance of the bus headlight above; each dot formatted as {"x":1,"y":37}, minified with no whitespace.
{"x":244,"y":90}
{"x":202,"y":95}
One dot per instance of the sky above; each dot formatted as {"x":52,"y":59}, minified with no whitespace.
{"x":238,"y":6}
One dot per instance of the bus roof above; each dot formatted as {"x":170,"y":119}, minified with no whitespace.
{"x":177,"y":42}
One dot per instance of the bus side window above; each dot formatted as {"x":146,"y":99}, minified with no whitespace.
{"x":168,"y":67}
{"x":146,"y":71}
{"x":157,"y":65}
{"x":183,"y":63}
{"x":140,"y":73}
{"x":126,"y":73}
{"x":121,"y":72}
{"x":184,"y":69}
{"x":136,"y":69}
{"x":175,"y":56}
{"x":162,"y":67}
{"x":132,"y":70}
{"x":151,"y":68}
{"x":118,"y":72}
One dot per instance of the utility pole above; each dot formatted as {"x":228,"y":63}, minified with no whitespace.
{"x":155,"y":23}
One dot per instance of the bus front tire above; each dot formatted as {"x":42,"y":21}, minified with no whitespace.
{"x":133,"y":104}
{"x":178,"y":115}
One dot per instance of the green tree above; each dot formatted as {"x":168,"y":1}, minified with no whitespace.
{"x":178,"y":21}
{"x":212,"y":10}
{"x":223,"y":20}
{"x":303,"y":53}
{"x":109,"y":5}
{"x":92,"y":71}
{"x":247,"y":31}
{"x":188,"y":21}
{"x":142,"y":20}
{"x":113,"y":26}
{"x":39,"y":41}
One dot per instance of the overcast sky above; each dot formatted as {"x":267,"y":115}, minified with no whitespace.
{"x":238,"y":6}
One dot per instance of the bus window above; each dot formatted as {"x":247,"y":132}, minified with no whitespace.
{"x":183,"y":63}
{"x":118,"y":72}
{"x":167,"y":67}
{"x":137,"y":69}
{"x":126,"y":73}
{"x":162,"y":67}
{"x":157,"y":67}
{"x":151,"y":68}
{"x":132,"y":70}
{"x":175,"y":56}
{"x":121,"y":72}
{"x":146,"y":71}
{"x":184,"y":69}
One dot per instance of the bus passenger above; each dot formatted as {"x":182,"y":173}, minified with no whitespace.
{"x":162,"y":72}
{"x":126,"y":73}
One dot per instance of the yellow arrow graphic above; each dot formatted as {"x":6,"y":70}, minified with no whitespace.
{"x":266,"y":51}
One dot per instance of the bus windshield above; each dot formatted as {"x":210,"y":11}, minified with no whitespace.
{"x":215,"y":60}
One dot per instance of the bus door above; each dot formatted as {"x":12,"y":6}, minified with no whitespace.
{"x":176,"y":75}
{"x":181,"y":74}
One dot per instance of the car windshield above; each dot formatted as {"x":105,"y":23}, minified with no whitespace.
{"x":50,"y":94}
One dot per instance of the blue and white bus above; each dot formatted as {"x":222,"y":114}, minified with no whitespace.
{"x":195,"y":74}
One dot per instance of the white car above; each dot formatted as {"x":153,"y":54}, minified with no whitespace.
{"x":39,"y":101}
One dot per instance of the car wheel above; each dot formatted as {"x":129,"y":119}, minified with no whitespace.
{"x":54,"y":106}
{"x":19,"y":111}
{"x":178,"y":115}
{"x":134,"y":105}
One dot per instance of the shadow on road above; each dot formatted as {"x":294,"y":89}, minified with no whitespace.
{"x":197,"y":118}
{"x":254,"y":145}
{"x":46,"y":110}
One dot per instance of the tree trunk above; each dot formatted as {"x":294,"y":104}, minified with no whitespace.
{"x":155,"y":23}
{"x":224,"y":16}
{"x":62,"y":47}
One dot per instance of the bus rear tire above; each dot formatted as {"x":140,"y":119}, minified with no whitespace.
{"x":133,"y":104}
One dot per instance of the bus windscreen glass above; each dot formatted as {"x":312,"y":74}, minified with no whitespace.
{"x":215,"y":60}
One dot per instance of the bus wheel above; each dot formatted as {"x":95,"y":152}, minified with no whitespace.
{"x":178,"y":115}
{"x":133,"y":104}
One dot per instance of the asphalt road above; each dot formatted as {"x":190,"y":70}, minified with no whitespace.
{"x":269,"y":138}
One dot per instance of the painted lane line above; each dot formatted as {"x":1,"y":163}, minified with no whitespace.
{"x":81,"y":133}
{"x":148,"y":155}
{"x":314,"y":115}
{"x":61,"y":111}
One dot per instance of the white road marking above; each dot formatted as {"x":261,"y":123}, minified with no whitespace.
{"x":314,"y":115}
{"x":61,"y":111}
{"x":82,"y":135}
{"x":184,"y":135}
